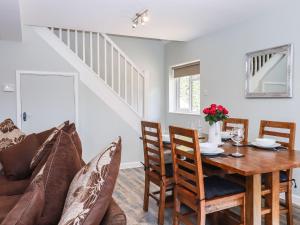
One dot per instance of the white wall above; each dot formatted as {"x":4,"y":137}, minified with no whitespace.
{"x":99,"y":125}
{"x":222,"y":57}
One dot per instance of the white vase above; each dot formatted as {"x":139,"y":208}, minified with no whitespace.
{"x":214,"y":135}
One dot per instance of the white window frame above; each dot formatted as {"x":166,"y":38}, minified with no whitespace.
{"x":174,"y":92}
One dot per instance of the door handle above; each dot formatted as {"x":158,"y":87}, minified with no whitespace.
{"x":24,"y":116}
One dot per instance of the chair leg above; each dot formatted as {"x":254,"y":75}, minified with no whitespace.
{"x":289,"y":206}
{"x":162,"y":203}
{"x":201,"y":216}
{"x":243,"y":212}
{"x":176,"y":208}
{"x":146,"y":193}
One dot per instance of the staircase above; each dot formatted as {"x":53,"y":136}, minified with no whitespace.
{"x":260,"y":66}
{"x":104,"y":68}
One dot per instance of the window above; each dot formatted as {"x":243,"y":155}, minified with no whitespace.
{"x":187,"y":87}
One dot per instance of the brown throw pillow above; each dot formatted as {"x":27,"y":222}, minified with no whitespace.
{"x":61,"y":166}
{"x":29,"y":208}
{"x":90,"y":192}
{"x":44,"y":150}
{"x":16,"y":159}
{"x":9,"y":134}
{"x":71,"y":130}
{"x":42,"y":136}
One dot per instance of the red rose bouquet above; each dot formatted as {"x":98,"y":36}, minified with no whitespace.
{"x":215,"y":113}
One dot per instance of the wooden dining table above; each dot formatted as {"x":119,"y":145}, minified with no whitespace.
{"x":255,"y":163}
{"x":252,"y":166}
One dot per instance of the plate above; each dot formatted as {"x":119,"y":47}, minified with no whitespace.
{"x":226,"y":135}
{"x":264,"y":146}
{"x":209,"y":151}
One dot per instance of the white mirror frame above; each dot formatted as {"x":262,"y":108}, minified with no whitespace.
{"x":288,"y":50}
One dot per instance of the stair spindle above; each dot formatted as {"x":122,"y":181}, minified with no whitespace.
{"x":76,"y":42}
{"x":91,"y":50}
{"x":112,"y":66}
{"x":119,"y":73}
{"x":83,"y":46}
{"x":105,"y":61}
{"x":98,"y":54}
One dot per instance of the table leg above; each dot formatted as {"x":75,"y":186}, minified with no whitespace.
{"x":272,"y":199}
{"x":253,"y":200}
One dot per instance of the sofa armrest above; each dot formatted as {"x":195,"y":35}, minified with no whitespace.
{"x":9,"y":187}
{"x":114,"y":215}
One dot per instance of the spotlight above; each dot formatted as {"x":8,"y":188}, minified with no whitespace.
{"x":140,"y":18}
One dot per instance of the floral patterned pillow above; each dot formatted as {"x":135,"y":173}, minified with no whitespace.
{"x":91,"y":189}
{"x":9,"y":134}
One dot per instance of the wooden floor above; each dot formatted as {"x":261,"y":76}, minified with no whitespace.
{"x":129,"y":195}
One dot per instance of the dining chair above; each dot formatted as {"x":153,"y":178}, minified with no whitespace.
{"x":202,"y":195}
{"x":156,"y":170}
{"x":284,"y":132}
{"x":230,"y":123}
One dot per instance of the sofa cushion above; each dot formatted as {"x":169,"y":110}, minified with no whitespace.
{"x":45,"y":148}
{"x":90,"y":192}
{"x":29,"y":207}
{"x":60,"y":168}
{"x":16,"y":159}
{"x":9,"y":187}
{"x":6,"y":204}
{"x":9,"y":134}
{"x":114,"y":215}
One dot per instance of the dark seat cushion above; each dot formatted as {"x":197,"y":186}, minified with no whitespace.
{"x":169,"y":170}
{"x":283,"y":177}
{"x":216,"y":187}
{"x":242,"y":179}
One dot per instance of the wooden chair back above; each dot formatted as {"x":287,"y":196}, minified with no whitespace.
{"x":284,"y":132}
{"x":153,"y":147}
{"x":230,"y":123}
{"x":187,"y":167}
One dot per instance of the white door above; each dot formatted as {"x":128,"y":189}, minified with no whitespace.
{"x":46,"y":101}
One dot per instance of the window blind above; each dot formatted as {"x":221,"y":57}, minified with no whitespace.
{"x":187,"y":69}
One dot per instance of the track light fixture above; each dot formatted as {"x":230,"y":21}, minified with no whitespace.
{"x":140,"y":18}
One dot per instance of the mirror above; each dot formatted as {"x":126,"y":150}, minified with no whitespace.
{"x":269,"y":73}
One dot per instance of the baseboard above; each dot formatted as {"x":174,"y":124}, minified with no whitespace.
{"x":130,"y":165}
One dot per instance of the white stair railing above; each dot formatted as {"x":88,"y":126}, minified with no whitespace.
{"x":109,"y":63}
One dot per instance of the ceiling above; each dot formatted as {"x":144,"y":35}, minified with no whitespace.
{"x":10,"y":20}
{"x":169,"y":19}
{"x":179,"y":20}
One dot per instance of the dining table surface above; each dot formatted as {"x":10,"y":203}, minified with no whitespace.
{"x":255,"y":163}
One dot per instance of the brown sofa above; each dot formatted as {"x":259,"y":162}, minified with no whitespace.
{"x":12,"y":190}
